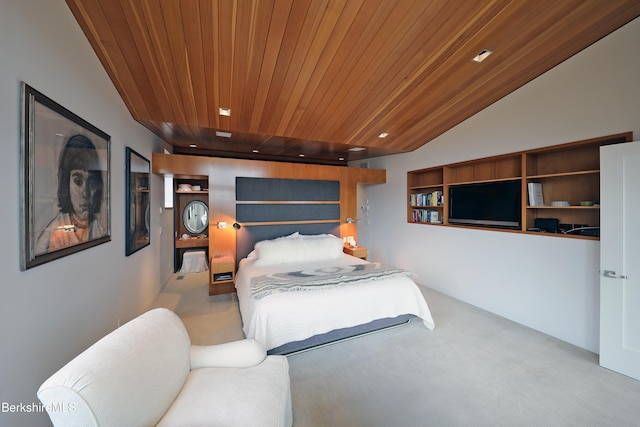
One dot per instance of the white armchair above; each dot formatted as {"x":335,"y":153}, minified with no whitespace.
{"x":148,"y":373}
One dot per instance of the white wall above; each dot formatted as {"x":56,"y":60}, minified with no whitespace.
{"x":50,"y":313}
{"x":550,"y":284}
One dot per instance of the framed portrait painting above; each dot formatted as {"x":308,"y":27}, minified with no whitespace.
{"x":65,"y":180}
{"x":138,"y":201}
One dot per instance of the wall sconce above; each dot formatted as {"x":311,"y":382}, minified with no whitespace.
{"x":351,"y":220}
{"x":223,"y":224}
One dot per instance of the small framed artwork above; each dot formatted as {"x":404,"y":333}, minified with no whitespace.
{"x":64,"y":180}
{"x":138,"y":201}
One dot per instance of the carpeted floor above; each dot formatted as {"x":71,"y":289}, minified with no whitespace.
{"x":473,"y":369}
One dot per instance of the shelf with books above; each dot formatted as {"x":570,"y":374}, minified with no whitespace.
{"x":425,"y":195}
{"x":426,"y":215}
{"x":430,"y":199}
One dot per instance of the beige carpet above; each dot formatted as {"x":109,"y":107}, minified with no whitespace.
{"x":473,"y":369}
{"x":208,"y":319}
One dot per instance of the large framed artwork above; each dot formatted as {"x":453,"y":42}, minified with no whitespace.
{"x":138,"y":201}
{"x":65,"y":182}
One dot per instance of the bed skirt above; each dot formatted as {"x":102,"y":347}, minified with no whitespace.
{"x":340,"y":334}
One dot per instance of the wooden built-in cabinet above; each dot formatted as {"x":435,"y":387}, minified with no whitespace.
{"x":195,"y":241}
{"x":356,"y":251}
{"x":567,"y":172}
{"x":218,"y":176}
{"x":223,"y":273}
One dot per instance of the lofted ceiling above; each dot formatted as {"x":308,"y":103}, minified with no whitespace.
{"x":311,"y":80}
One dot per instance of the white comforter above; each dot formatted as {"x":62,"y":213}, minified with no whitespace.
{"x":292,"y":316}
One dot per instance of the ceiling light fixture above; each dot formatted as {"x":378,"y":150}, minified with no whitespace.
{"x":224,"y":111}
{"x":383,"y":135}
{"x":255,"y":151}
{"x":300,"y":155}
{"x":482,"y":55}
{"x":192,"y":145}
{"x":341,"y":158}
{"x":357,"y":149}
{"x":223,"y":134}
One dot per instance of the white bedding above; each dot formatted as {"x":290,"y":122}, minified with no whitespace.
{"x":293,"y":316}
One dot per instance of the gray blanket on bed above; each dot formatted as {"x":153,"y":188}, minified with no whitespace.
{"x":328,"y":277}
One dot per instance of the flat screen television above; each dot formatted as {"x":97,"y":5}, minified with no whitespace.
{"x":488,"y":204}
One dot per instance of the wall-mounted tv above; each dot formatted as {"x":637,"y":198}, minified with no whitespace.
{"x":488,"y":204}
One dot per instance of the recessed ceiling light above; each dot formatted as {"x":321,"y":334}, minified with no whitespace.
{"x":300,"y":155}
{"x":383,"y":135}
{"x":357,"y":149}
{"x":224,"y":111}
{"x":341,"y":158}
{"x":482,"y":55}
{"x":223,"y":134}
{"x":192,"y":145}
{"x":255,"y":151}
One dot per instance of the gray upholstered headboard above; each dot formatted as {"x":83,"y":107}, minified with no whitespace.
{"x":267,"y":208}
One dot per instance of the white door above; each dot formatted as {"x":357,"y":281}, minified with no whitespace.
{"x":620,"y":258}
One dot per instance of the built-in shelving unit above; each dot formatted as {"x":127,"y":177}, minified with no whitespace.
{"x":222,"y":274}
{"x":426,"y":196}
{"x":568,"y":174}
{"x":193,"y":241}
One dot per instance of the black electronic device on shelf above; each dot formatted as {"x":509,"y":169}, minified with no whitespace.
{"x":550,"y":225}
{"x":584,"y":231}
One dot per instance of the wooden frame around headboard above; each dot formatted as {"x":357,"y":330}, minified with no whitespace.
{"x":221,"y":174}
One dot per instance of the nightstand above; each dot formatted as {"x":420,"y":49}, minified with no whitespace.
{"x":356,"y":251}
{"x":223,"y":272}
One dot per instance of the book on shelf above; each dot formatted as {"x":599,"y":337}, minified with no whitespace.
{"x":425,"y":215}
{"x":535,"y":194}
{"x":433,"y":198}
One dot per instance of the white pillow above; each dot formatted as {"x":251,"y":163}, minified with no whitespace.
{"x":290,"y":249}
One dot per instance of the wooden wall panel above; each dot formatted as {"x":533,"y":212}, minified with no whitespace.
{"x":222,"y":175}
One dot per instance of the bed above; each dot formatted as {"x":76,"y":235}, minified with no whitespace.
{"x":299,"y":291}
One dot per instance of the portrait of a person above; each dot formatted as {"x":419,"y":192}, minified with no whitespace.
{"x":80,"y":195}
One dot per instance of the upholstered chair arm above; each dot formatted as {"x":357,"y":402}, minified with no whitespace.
{"x":236,"y":354}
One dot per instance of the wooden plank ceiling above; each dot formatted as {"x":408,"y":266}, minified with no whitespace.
{"x":320,"y":77}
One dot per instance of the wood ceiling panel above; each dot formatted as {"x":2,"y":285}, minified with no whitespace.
{"x":255,"y":37}
{"x":193,"y":36}
{"x":159,"y":40}
{"x":389,"y":68}
{"x":417,"y":92}
{"x":97,"y":26}
{"x":142,"y":57}
{"x":304,"y":18}
{"x":317,"y":77}
{"x":275,"y":52}
{"x":318,"y":119}
{"x":327,"y":40}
